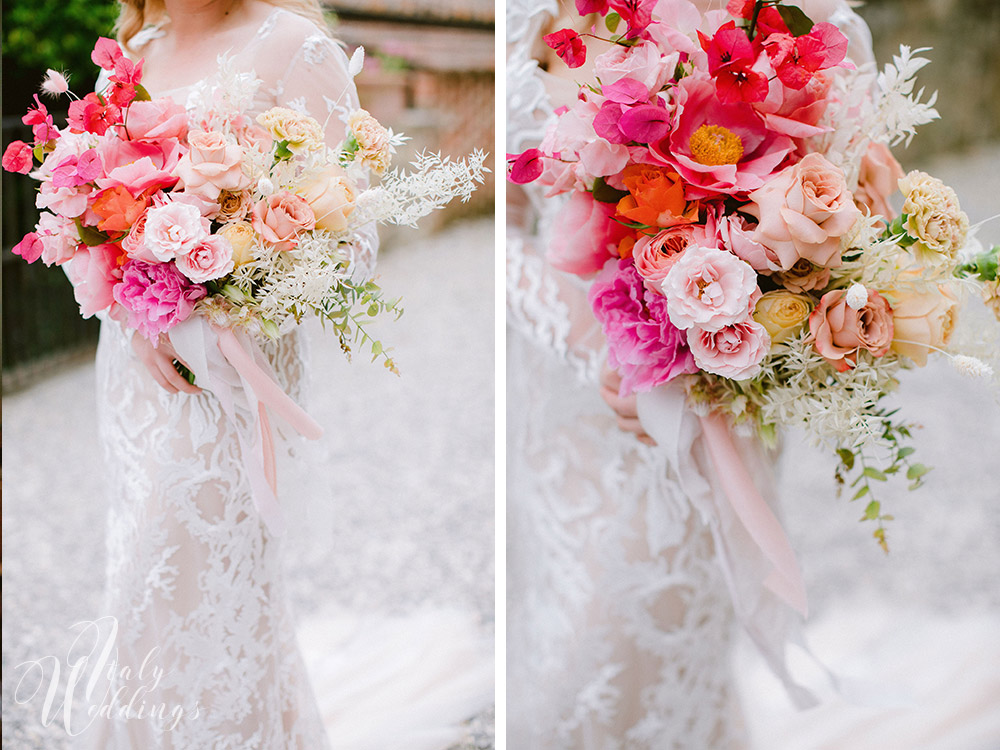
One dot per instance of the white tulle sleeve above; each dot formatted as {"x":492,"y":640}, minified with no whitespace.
{"x":316,"y":81}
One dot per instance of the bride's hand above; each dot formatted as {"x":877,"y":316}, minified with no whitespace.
{"x":623,"y":407}
{"x":159,"y":362}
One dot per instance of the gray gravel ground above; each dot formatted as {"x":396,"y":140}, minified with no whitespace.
{"x":403,"y":497}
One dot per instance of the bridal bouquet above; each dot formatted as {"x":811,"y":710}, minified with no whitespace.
{"x":158,"y":213}
{"x":731,"y":196}
{"x":221,"y":229}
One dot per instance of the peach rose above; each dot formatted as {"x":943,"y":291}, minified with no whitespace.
{"x":213,"y":165}
{"x":782,"y":313}
{"x":654,"y":256}
{"x":877,"y":180}
{"x":923,"y":320}
{"x":803,"y":212}
{"x":839,"y":331}
{"x":280,"y":217}
{"x":242,"y":239}
{"x":331,"y":196}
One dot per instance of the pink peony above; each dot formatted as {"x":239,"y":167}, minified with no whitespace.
{"x":584,"y":236}
{"x":138,"y":165}
{"x":155,"y":120}
{"x":643,"y":345}
{"x":839,"y":331}
{"x":212,"y":165}
{"x":280,"y":217}
{"x":803,"y":212}
{"x":719,"y":147}
{"x":711,"y":289}
{"x":212,"y":259}
{"x":734,"y":352}
{"x":156,"y":296}
{"x":174,"y":229}
{"x":94,"y":272}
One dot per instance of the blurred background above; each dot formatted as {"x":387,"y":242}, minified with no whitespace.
{"x":399,"y":535}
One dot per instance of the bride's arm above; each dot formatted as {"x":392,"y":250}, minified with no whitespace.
{"x":317,"y":81}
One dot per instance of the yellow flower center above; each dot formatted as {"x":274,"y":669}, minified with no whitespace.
{"x":714,"y":145}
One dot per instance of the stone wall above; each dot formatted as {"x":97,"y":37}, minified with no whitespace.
{"x":965,"y":66}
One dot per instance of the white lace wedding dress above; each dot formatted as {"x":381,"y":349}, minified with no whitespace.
{"x":194,"y":577}
{"x":619,"y":620}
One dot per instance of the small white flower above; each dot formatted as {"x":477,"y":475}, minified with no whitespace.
{"x":265,"y":186}
{"x":857,"y":296}
{"x":971,"y":367}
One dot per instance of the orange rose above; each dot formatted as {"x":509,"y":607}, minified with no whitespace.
{"x":656,"y":197}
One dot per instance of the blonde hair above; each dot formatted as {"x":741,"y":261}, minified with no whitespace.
{"x":134,"y":15}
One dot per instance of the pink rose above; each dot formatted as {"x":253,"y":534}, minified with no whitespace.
{"x":68,"y":201}
{"x":156,"y":296}
{"x":59,"y":237}
{"x":212,"y":259}
{"x":158,"y":119}
{"x":839,"y":331}
{"x":878,"y":179}
{"x":710,"y":288}
{"x":174,"y":229}
{"x":803,"y":212}
{"x":280,"y":217}
{"x":584,"y":235}
{"x":94,"y":271}
{"x":803,"y":276}
{"x":211,"y":166}
{"x":736,"y":235}
{"x":734,"y":352}
{"x":643,"y":63}
{"x":134,"y":243}
{"x":655,"y":256}
{"x":643,"y":345}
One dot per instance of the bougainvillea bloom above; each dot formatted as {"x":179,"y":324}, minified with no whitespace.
{"x":524,"y":167}
{"x":42,"y":126}
{"x":731,"y":57}
{"x":92,"y":115}
{"x":17,"y":157}
{"x":797,"y":59}
{"x":769,"y":20}
{"x":568,"y":45}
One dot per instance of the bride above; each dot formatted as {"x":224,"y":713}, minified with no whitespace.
{"x":204,"y":638}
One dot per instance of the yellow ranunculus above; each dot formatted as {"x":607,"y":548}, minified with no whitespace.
{"x":782,"y":313}
{"x":242,"y":238}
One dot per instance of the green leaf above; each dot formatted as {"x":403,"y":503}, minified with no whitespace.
{"x":39,"y":153}
{"x":90,"y":236}
{"x":604,"y":193}
{"x":141,"y":95}
{"x":916,"y":471}
{"x":904,"y":452}
{"x":281,"y":150}
{"x":872,"y":473}
{"x":861,"y":493}
{"x":612,"y":21}
{"x":846,"y":458}
{"x":872,"y":510}
{"x":797,"y":22}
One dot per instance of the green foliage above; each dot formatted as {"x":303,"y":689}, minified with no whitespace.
{"x":60,"y":34}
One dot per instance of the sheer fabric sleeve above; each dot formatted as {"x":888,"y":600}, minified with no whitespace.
{"x":316,"y":81}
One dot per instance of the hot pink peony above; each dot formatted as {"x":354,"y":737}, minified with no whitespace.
{"x":156,"y":296}
{"x":584,"y":235}
{"x":643,"y":345}
{"x":174,"y":229}
{"x":212,"y":259}
{"x":719,"y":147}
{"x":734,"y":352}
{"x":711,"y":289}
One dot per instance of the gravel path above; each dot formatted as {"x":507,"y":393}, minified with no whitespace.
{"x":402,"y":498}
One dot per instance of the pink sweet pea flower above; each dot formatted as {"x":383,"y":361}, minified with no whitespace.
{"x":719,"y":147}
{"x":568,"y":45}
{"x":17,"y":157}
{"x":156,"y":296}
{"x":734,"y":352}
{"x":524,"y":167}
{"x":643,"y":345}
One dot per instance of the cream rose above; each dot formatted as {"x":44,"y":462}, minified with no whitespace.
{"x":212,"y":165}
{"x":242,"y":238}
{"x":782,"y":313}
{"x":839,"y":331}
{"x":803,"y":212}
{"x":301,"y":132}
{"x":923,"y":320}
{"x":933,"y":218}
{"x":331,"y":196}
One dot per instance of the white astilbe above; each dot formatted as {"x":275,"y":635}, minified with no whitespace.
{"x":867,"y":107}
{"x":404,"y":197}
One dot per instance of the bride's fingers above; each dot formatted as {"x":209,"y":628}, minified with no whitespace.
{"x":623,"y":406}
{"x":174,"y":379}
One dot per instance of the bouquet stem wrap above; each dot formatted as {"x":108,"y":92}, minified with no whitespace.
{"x":233,"y":367}
{"x":727,"y":479}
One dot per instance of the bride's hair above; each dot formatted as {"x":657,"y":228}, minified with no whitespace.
{"x":133,"y":15}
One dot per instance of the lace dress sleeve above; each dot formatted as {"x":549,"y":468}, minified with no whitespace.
{"x":316,"y":81}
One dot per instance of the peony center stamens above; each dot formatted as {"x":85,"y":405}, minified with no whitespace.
{"x":714,"y":145}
